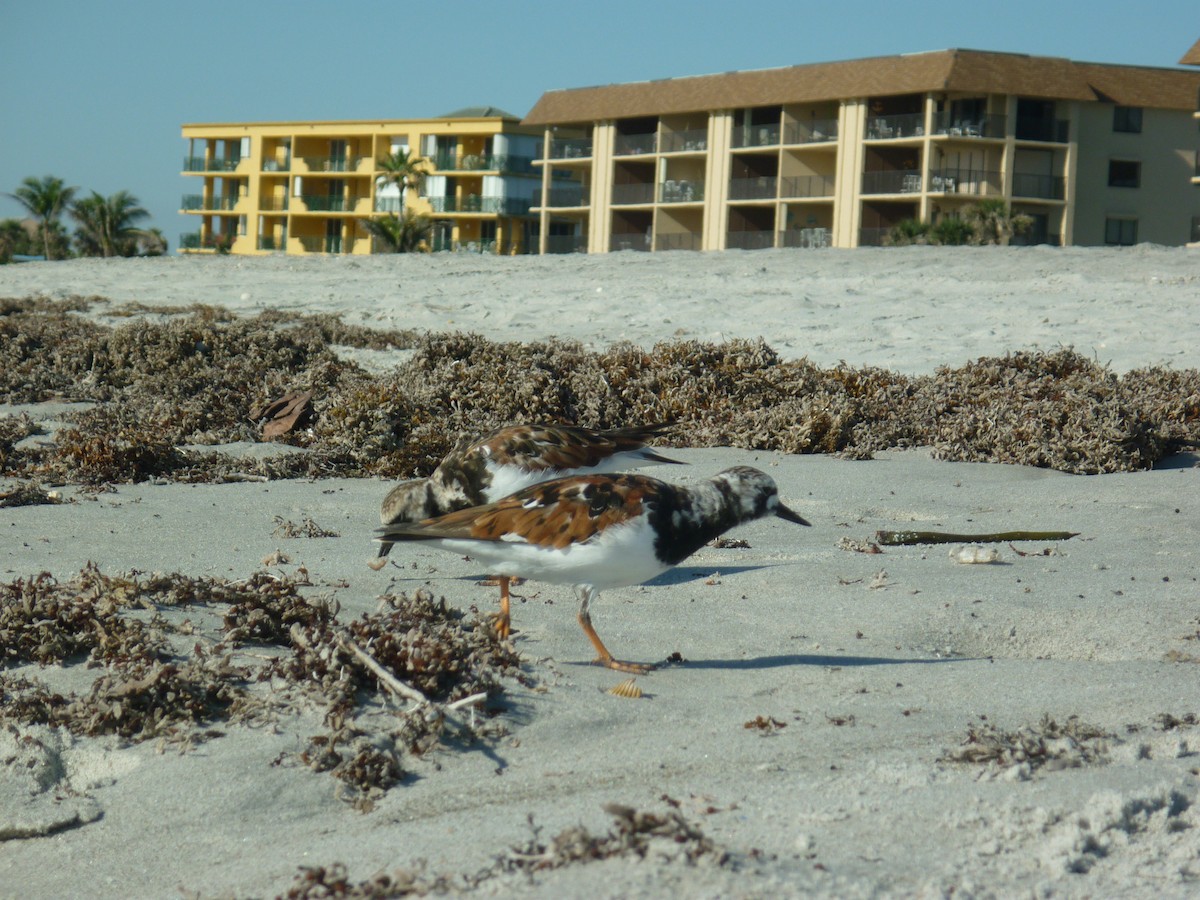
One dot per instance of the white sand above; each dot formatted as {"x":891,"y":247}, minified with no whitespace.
{"x":876,"y":664}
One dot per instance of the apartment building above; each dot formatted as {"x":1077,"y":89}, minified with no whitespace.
{"x":307,"y":187}
{"x":836,"y":154}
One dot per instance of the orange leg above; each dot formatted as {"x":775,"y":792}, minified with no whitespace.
{"x":502,"y":622}
{"x":603,"y":657}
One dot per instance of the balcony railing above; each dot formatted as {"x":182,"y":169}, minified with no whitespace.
{"x":1039,"y":129}
{"x":807,"y":238}
{"x":565,"y":243}
{"x":271,"y":243}
{"x":1042,"y":187}
{"x":882,"y":128}
{"x":815,"y":132}
{"x":216,"y":164}
{"x":873,"y":237}
{"x":627,"y":241}
{"x":892,"y":182}
{"x":681,"y":141}
{"x":560,"y":197}
{"x":332,"y":163}
{"x":570,"y":148}
{"x":671,"y":191}
{"x":325,"y":244}
{"x":761,"y":187}
{"x":275,"y":165}
{"x":755,"y":135}
{"x":193,"y":202}
{"x":633,"y":193}
{"x":323,"y":203}
{"x":750,"y":240}
{"x":986,"y":126}
{"x":632,"y":144}
{"x":189,"y":240}
{"x":806,"y":186}
{"x":964,"y":181}
{"x":681,"y":241}
{"x":476,"y":162}
{"x":473,"y":203}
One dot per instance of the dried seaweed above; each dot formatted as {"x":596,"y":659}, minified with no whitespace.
{"x":197,"y":378}
{"x":144,"y":690}
{"x":1047,"y":745}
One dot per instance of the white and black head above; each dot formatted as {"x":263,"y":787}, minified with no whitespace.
{"x":754,"y":494}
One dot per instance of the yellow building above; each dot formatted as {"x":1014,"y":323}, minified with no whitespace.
{"x":307,"y":187}
{"x":836,"y":154}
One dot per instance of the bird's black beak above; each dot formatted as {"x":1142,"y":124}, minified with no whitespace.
{"x":784,"y":513}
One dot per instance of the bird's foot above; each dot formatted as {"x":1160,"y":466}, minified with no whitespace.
{"x":378,"y":563}
{"x":502,"y":625}
{"x":621,"y":665}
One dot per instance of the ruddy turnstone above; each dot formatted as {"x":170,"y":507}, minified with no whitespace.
{"x":599,"y":531}
{"x":507,"y":461}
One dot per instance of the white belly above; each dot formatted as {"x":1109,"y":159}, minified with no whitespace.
{"x":619,"y":556}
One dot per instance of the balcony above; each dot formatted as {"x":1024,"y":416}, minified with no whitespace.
{"x":1041,"y":187}
{"x":627,"y":241}
{"x":275,"y":165}
{"x":755,"y":136}
{"x":987,"y":126}
{"x":567,"y":197}
{"x":565,"y":243}
{"x":189,"y":240}
{"x":336,"y":203}
{"x":473,"y":203}
{"x":892,"y":182}
{"x":216,"y":164}
{"x":325,"y":244}
{"x":800,"y":186}
{"x":873,"y":237}
{"x":194,"y":202}
{"x":965,"y":181}
{"x":681,"y":191}
{"x":678,"y":241}
{"x":1040,"y":129}
{"x":887,"y":128}
{"x":642,"y":192}
{"x":272,"y":244}
{"x":475,"y":162}
{"x":817,"y":131}
{"x":807,"y":238}
{"x":761,"y":187}
{"x":570,"y":148}
{"x":750,"y":240}
{"x":332,"y":163}
{"x":684,"y":141}
{"x":273,"y":204}
{"x":634,"y":144}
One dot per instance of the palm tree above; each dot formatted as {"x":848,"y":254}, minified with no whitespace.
{"x":404,"y":169}
{"x":45,"y":199}
{"x":107,"y":225}
{"x":400,"y":234}
{"x":995,"y":222}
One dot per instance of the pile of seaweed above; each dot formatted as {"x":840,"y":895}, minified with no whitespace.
{"x":201,"y":376}
{"x":275,"y":651}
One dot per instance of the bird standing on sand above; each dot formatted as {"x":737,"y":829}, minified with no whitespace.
{"x":599,"y":531}
{"x":508,"y":460}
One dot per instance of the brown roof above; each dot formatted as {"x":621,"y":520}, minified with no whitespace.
{"x":968,"y":71}
{"x":1192,"y":57}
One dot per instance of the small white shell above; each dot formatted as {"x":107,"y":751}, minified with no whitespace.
{"x":975,"y":554}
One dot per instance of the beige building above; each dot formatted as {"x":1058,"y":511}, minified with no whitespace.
{"x":307,"y":187}
{"x":836,"y":154}
{"x":1192,"y":58}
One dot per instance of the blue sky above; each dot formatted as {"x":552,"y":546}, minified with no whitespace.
{"x":95,"y":93}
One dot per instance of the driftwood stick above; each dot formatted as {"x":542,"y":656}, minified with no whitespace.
{"x":898,"y":538}
{"x":386,"y":678}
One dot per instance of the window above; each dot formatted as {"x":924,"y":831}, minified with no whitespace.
{"x":1123,"y":173}
{"x":1120,"y":232}
{"x":1128,"y":119}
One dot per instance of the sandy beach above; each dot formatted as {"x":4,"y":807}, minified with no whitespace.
{"x":834,"y":717}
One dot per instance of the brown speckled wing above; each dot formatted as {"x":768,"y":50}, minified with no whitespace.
{"x":553,"y":514}
{"x":538,"y":447}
